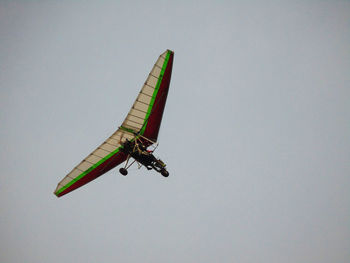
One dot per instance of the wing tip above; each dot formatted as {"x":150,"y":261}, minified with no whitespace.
{"x":169,"y":50}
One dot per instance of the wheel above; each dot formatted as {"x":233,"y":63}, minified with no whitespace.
{"x":123,"y":171}
{"x":165,"y":173}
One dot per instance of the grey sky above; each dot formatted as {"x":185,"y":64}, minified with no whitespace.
{"x":255,"y":131}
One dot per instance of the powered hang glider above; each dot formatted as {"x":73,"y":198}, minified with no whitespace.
{"x":133,"y":139}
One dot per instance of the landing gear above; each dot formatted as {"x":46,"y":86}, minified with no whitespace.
{"x":138,"y":151}
{"x":123,"y":171}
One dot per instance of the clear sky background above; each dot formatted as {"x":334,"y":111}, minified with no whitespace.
{"x":255,"y":131}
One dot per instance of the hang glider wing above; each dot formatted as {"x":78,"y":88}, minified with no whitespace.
{"x":144,"y":118}
{"x":146,"y":114}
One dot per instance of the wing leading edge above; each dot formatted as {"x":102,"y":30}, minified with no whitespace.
{"x":143,"y":118}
